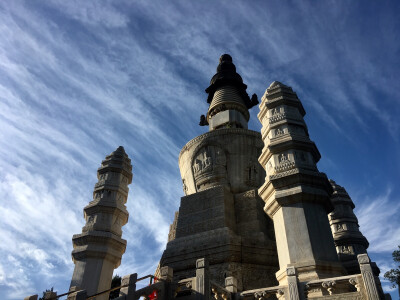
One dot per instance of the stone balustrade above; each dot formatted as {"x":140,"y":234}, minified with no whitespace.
{"x":357,"y":286}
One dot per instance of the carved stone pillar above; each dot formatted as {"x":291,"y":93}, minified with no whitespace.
{"x":50,"y":295}
{"x":202,"y":279}
{"x":129,"y":291}
{"x":231,"y":284}
{"x":293,"y":287}
{"x":296,"y":194}
{"x":370,"y":284}
{"x":99,"y":248}
{"x":78,"y":295}
{"x":167,"y":273}
{"x":349,"y":241}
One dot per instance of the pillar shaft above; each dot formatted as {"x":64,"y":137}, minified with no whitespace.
{"x":349,"y":241}
{"x":296,"y":194}
{"x":99,"y":248}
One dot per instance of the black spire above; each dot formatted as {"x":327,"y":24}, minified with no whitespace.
{"x":226,"y":75}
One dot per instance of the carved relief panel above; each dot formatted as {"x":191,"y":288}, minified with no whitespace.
{"x":209,"y":167}
{"x":252,"y":174}
{"x":278,"y":131}
{"x":284,"y":161}
{"x":282,"y":112}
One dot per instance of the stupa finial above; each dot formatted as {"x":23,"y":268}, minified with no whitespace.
{"x":227,"y":94}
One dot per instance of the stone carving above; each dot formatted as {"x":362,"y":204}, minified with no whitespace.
{"x":346,"y":249}
{"x":279,"y":294}
{"x":218,"y":294}
{"x":291,"y":271}
{"x":269,"y":167}
{"x":277,"y":117}
{"x":279,"y":132}
{"x":354,"y":281}
{"x":203,"y":120}
{"x":250,"y":194}
{"x":209,"y":167}
{"x":363,"y":259}
{"x":229,"y":281}
{"x":184,"y":187}
{"x":329,"y":285}
{"x":283,"y":174}
{"x":293,"y":291}
{"x":370,"y":284}
{"x":251,"y":174}
{"x":261,"y":295}
{"x":284,"y":163}
{"x":236,"y":131}
{"x":283,"y":157}
{"x":200,"y":263}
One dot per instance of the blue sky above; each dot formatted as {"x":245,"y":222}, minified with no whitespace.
{"x":80,"y":78}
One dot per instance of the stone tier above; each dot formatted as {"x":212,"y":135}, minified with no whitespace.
{"x":231,"y":230}
{"x":98,"y":249}
{"x":296,"y":194}
{"x":349,"y":241}
{"x":226,"y":157}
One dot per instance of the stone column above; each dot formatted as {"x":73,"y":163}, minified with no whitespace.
{"x":370,"y":283}
{"x":349,"y":241}
{"x":296,"y":194}
{"x":130,"y":282}
{"x":202,"y":279}
{"x":231,"y":284}
{"x":293,"y":287}
{"x":167,"y":273}
{"x":99,"y":248}
{"x":50,"y":295}
{"x":78,"y":295}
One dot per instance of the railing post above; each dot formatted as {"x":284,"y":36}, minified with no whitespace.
{"x":368,"y":277}
{"x":78,"y":295}
{"x":202,"y":279}
{"x":231,"y":284}
{"x":167,"y":273}
{"x":293,"y":287}
{"x":50,"y":295}
{"x":129,"y":291}
{"x":33,"y":297}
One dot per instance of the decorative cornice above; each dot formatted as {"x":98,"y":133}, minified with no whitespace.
{"x":224,"y":131}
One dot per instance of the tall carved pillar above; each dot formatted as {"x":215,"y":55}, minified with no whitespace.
{"x":296,"y":194}
{"x":349,"y":241}
{"x":99,"y":248}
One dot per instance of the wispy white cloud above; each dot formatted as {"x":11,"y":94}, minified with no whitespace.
{"x":93,"y":13}
{"x":379,"y":222}
{"x":79,"y":79}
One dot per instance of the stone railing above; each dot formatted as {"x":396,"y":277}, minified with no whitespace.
{"x":260,"y":294}
{"x":201,"y":287}
{"x":185,"y":287}
{"x":348,"y":287}
{"x":219,"y":292}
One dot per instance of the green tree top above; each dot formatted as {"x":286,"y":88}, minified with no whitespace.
{"x":394,"y":274}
